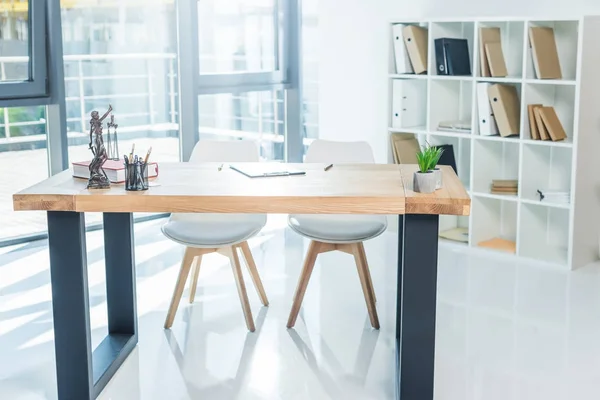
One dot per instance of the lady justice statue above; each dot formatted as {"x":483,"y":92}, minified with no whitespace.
{"x":98,"y":178}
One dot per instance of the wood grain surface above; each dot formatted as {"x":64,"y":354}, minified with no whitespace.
{"x":187,"y":187}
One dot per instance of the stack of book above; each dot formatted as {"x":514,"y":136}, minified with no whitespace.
{"x":544,"y":53}
{"x":544,"y":123}
{"x":491,"y":56}
{"x":505,"y":186}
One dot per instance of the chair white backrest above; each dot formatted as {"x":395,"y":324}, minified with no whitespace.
{"x":225,"y":151}
{"x":329,"y":151}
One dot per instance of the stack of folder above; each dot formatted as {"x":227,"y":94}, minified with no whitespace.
{"x":491,"y":56}
{"x":505,"y":186}
{"x":506,"y":107}
{"x":544,"y":53}
{"x":452,"y":57}
{"x":544,"y":123}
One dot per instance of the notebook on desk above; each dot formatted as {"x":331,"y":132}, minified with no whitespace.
{"x":263,"y":170}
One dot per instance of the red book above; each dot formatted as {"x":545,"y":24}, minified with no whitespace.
{"x":115,"y":170}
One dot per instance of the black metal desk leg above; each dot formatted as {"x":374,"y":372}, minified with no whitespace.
{"x":416,"y":306}
{"x":70,"y":305}
{"x":82,"y":374}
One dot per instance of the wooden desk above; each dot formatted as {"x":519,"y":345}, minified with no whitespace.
{"x":82,"y":373}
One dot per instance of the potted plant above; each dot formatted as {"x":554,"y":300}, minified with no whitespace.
{"x":425,"y":180}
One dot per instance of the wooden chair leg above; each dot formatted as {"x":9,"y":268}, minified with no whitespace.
{"x":363,"y":257}
{"x":247,"y":255}
{"x":363,"y":271}
{"x":196,"y":273}
{"x":184,"y":271}
{"x":241,"y":287}
{"x":309,"y":264}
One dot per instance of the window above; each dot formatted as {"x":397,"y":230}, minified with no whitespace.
{"x":257,"y":116}
{"x":23,"y":162}
{"x":23,"y":69}
{"x":124,"y":55}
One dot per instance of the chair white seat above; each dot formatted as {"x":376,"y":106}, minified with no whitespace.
{"x":213,"y":230}
{"x":338,"y":228}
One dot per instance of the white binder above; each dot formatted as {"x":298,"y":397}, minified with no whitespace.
{"x":487,"y":122}
{"x":409,"y":103}
{"x":403,"y":65}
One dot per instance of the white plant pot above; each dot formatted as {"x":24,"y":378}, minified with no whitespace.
{"x":438,"y":178}
{"x":424,"y":182}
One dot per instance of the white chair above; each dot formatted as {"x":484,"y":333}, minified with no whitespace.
{"x":221,"y":233}
{"x":345,"y":233}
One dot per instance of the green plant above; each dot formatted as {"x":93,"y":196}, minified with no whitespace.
{"x":428,"y":157}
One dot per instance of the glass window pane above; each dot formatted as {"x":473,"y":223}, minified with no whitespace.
{"x":23,"y":162}
{"x":237,"y":35}
{"x":257,"y":116}
{"x":310,"y":71}
{"x":14,"y":40}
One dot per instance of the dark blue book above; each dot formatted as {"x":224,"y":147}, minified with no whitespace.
{"x":452,"y":57}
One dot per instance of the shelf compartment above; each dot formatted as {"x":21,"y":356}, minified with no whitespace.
{"x":545,"y":168}
{"x":450,"y":100}
{"x":512,"y":36}
{"x":409,"y":103}
{"x":476,"y":130}
{"x":455,"y":30}
{"x":462,"y":155}
{"x":544,"y":233}
{"x":561,"y":97}
{"x":495,"y":159}
{"x":493,"y":219}
{"x":566,"y":34}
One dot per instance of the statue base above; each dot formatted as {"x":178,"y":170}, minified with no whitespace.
{"x":98,"y":182}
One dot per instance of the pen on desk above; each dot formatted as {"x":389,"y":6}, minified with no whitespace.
{"x":148,"y":155}
{"x":220,"y":167}
{"x":327,"y":168}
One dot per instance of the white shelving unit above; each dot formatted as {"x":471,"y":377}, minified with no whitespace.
{"x":559,"y":233}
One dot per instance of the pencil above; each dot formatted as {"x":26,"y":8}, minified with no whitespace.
{"x":148,"y":155}
{"x":328,"y":167}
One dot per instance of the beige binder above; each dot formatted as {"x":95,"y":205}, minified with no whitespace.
{"x":540,"y":124}
{"x":404,"y":148}
{"x":533,"y":128}
{"x":544,"y":53}
{"x":495,"y":59}
{"x":506,"y":107}
{"x":415,"y":38}
{"x":552,"y":124}
{"x":487,"y":35}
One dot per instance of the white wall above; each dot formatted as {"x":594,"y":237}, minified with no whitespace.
{"x":353,"y":60}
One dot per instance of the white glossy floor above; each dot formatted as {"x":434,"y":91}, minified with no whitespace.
{"x":505,"y":329}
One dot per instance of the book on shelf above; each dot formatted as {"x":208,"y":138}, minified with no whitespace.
{"x":452,"y":57}
{"x":495,"y":57}
{"x":486,"y":35}
{"x":460,"y":126}
{"x":448,"y":157}
{"x":416,"y":38}
{"x":540,"y":124}
{"x":114,"y":170}
{"x":544,"y":53}
{"x":552,"y":123}
{"x":401,"y":57}
{"x":505,"y":186}
{"x":405,"y":147}
{"x":506,"y":107}
{"x":533,"y":125}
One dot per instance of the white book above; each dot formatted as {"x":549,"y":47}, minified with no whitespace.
{"x":409,"y":103}
{"x":403,"y":65}
{"x":487,"y":122}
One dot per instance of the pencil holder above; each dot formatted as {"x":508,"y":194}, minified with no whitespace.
{"x":136,"y":176}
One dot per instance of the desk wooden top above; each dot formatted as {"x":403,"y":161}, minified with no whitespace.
{"x":186,"y":187}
